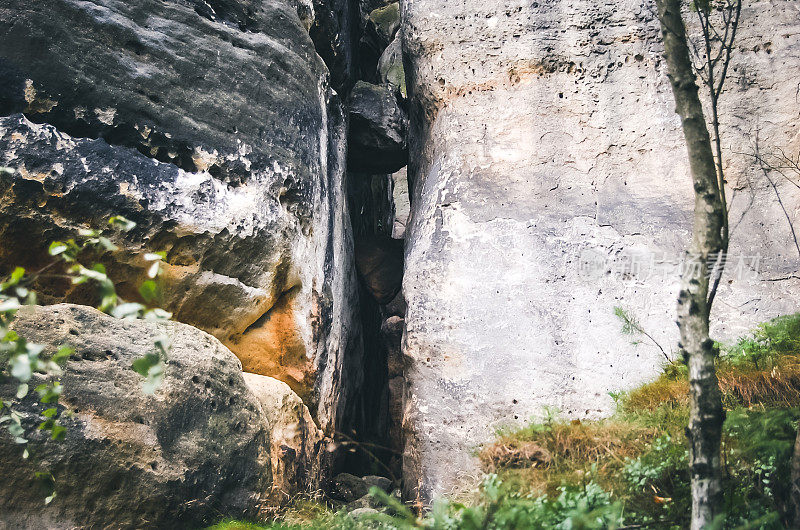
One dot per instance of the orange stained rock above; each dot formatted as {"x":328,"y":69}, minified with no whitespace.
{"x":274,"y":346}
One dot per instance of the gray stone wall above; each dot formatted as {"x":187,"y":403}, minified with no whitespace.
{"x":546,"y":159}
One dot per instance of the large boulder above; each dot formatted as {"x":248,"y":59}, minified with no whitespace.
{"x":297,"y":447}
{"x":386,"y":20}
{"x":377,"y":138}
{"x":196,"y":450}
{"x":365,"y":7}
{"x":379,"y":261}
{"x":201,"y":85}
{"x":550,"y":184}
{"x":214,"y":127}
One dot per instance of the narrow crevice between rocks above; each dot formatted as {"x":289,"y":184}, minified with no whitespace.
{"x":377,"y":446}
{"x":367,"y":71}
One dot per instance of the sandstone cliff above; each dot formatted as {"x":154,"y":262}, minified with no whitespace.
{"x":411,"y":222}
{"x":549,"y":177}
{"x":215,"y":128}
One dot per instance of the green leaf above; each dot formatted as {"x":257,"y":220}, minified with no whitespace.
{"x":99,"y":267}
{"x":155,"y":256}
{"x":149,"y":291}
{"x":121,"y":223}
{"x":25,"y":454}
{"x":50,"y":498}
{"x":15,"y":429}
{"x":154,"y":269}
{"x":152,"y":369}
{"x":129,"y":310}
{"x":17,"y":275}
{"x":142,"y":365}
{"x":49,"y":392}
{"x":87,"y":232}
{"x":11,"y":304}
{"x":63,"y":353}
{"x":94,"y":274}
{"x":155,"y":377}
{"x":49,"y":413}
{"x":157,"y":314}
{"x":21,"y":368}
{"x":22,"y":390}
{"x":108,"y":302}
{"x":56,"y":248}
{"x":33,"y":350}
{"x":58,"y":432}
{"x":107,"y":244}
{"x":162,"y":342}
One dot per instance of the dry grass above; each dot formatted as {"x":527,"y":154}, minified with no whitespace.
{"x":539,"y":458}
{"x":514,"y":453}
{"x":662,"y":391}
{"x":557,"y":443}
{"x":741,"y":386}
{"x":778,"y":386}
{"x":304,"y":511}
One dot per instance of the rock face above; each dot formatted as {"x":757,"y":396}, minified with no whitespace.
{"x":335,"y":24}
{"x":402,"y":207}
{"x":296,"y":444}
{"x":213,"y":126}
{"x":392,"y":334}
{"x":549,"y":178}
{"x":377,"y":139}
{"x":390,"y":66}
{"x":197,"y":449}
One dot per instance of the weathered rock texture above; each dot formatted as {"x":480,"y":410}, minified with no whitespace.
{"x":380,"y":263}
{"x":377,"y":139}
{"x":213,"y":126}
{"x":195,"y":451}
{"x":543,"y":140}
{"x":297,"y":447}
{"x":402,"y":207}
{"x":334,"y":31}
{"x":390,"y":66}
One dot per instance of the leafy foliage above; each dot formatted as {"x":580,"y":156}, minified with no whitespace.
{"x":632,"y":326}
{"x":767,"y":345}
{"x":22,"y":360}
{"x":585,"y":506}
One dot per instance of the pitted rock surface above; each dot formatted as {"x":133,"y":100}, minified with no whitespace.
{"x":548,"y":173}
{"x":195,"y":450}
{"x":214,"y":127}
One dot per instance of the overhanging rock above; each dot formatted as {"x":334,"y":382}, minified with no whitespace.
{"x":213,"y":126}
